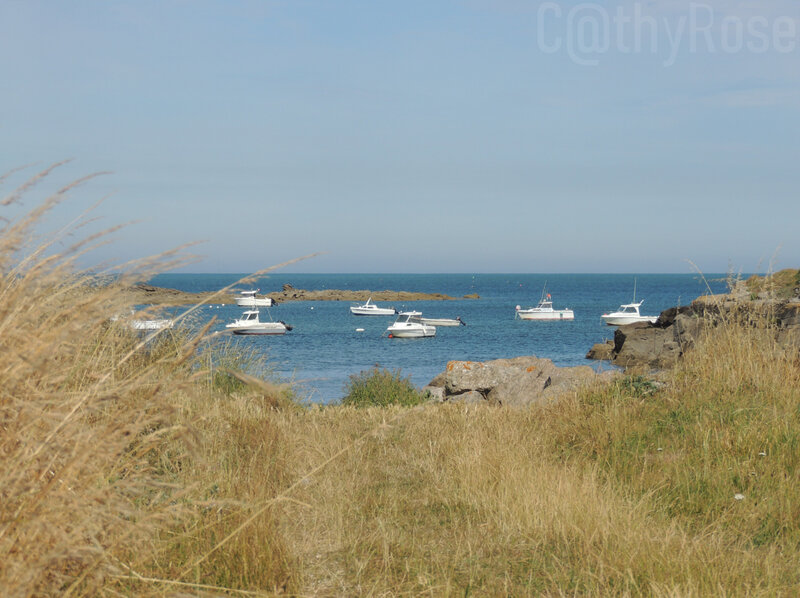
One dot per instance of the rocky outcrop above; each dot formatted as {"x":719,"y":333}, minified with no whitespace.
{"x":289,"y":293}
{"x":516,"y":382}
{"x":662,"y":344}
{"x":150,"y":295}
{"x":601,"y":351}
{"x":146,"y":294}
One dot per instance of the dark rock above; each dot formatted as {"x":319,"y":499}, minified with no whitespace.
{"x":621,"y":334}
{"x":637,"y":345}
{"x":668,"y":316}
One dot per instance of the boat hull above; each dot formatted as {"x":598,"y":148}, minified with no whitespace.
{"x":557,"y":314}
{"x":623,"y":320}
{"x":379,"y":311}
{"x":411,"y":331}
{"x":262,"y":329}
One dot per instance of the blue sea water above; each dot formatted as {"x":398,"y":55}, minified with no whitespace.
{"x":323,"y":350}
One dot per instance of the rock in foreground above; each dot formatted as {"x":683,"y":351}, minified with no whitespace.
{"x":516,"y":382}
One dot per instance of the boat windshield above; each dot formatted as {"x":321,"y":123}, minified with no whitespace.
{"x":629,"y":310}
{"x":404,"y":318}
{"x":253,"y":315}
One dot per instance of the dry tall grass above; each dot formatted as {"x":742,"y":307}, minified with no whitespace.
{"x":688,"y":489}
{"x":99,"y":437}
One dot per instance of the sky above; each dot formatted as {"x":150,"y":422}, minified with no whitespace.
{"x":416,"y":136}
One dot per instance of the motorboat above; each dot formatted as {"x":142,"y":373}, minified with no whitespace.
{"x":250,"y":323}
{"x":249,"y":299}
{"x":370,"y":309}
{"x":410,"y":325}
{"x":144,"y":325}
{"x":151,"y":325}
{"x":544,"y":310}
{"x":627,"y":313}
{"x":457,"y":321}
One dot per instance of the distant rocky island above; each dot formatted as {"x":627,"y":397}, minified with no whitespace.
{"x":151,"y":295}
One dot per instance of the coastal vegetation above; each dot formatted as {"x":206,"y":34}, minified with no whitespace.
{"x":379,"y":387}
{"x":170,"y":464}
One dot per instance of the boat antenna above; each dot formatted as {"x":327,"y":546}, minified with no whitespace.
{"x":634,"y":289}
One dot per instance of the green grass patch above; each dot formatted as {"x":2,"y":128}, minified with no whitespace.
{"x":381,"y":387}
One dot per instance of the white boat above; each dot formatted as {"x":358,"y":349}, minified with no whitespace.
{"x":457,"y":321}
{"x":249,"y":299}
{"x":150,"y":325}
{"x":370,"y":309}
{"x":628,"y":313}
{"x":544,"y":310}
{"x":143,"y":325}
{"x":409,"y":325}
{"x":250,"y":323}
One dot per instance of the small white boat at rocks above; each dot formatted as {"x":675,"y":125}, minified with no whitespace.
{"x":370,"y":309}
{"x":410,"y":325}
{"x":457,"y":321}
{"x":628,"y":313}
{"x":250,"y":323}
{"x":544,"y":310}
{"x":249,"y":299}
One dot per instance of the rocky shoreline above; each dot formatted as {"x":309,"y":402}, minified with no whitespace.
{"x":660,"y":345}
{"x":524,"y":381}
{"x":151,"y":295}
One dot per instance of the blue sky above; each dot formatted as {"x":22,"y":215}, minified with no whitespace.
{"x":418,"y":136}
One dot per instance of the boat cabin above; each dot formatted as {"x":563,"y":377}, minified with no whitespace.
{"x":411,"y":318}
{"x":629,"y":309}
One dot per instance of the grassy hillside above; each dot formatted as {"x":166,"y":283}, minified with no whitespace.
{"x":781,"y":284}
{"x":169,"y":466}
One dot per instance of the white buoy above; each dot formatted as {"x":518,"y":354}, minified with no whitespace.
{"x":359,"y":330}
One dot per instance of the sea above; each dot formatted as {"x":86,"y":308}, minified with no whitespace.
{"x":324,"y":349}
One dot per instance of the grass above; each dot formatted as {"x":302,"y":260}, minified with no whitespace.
{"x":381,"y":387}
{"x":176,"y":467}
{"x":780,"y":284}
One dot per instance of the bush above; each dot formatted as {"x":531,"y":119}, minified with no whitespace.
{"x":381,"y":387}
